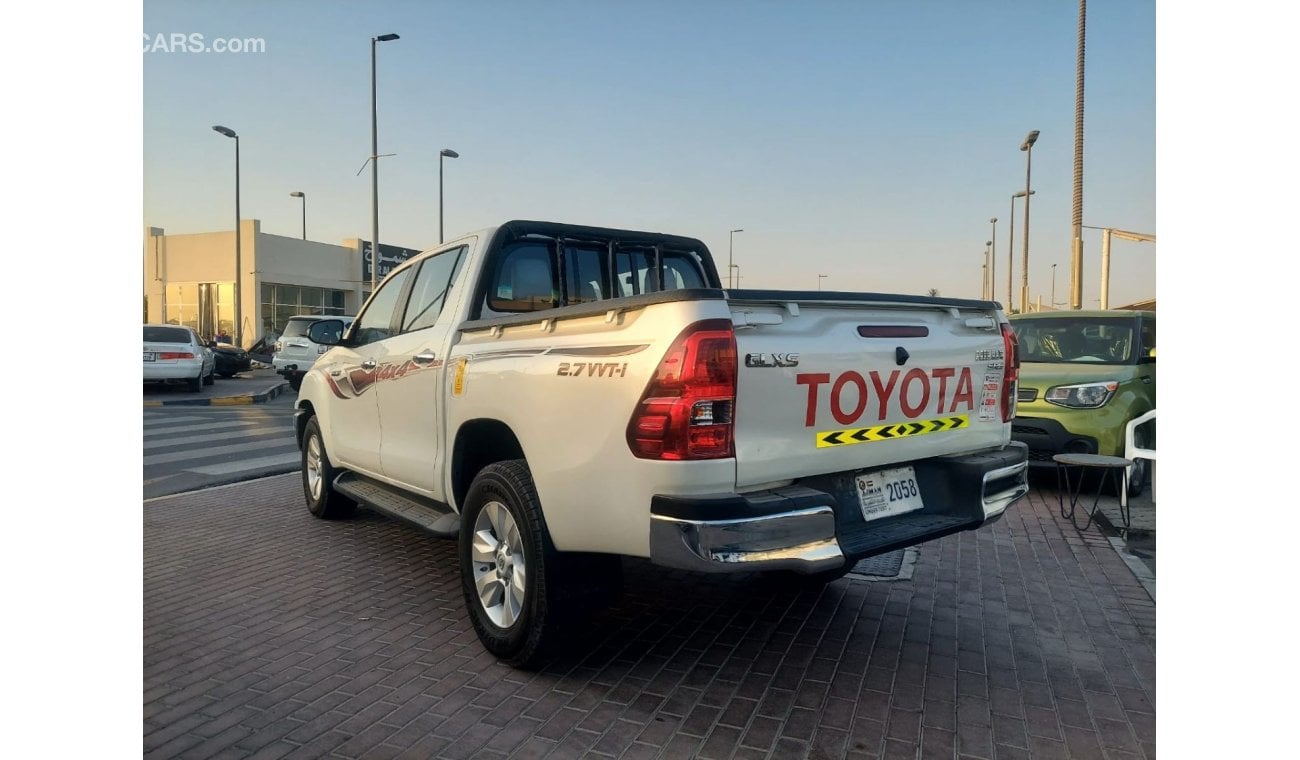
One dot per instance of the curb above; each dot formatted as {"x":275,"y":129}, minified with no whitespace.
{"x":253,"y":398}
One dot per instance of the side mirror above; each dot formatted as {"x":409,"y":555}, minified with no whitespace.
{"x":326,"y":332}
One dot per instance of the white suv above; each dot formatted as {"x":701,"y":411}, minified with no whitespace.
{"x":295,"y":352}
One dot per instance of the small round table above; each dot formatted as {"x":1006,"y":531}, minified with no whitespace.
{"x":1081,"y":463}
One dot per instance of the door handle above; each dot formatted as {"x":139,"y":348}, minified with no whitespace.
{"x":368,"y":364}
{"x":424,"y":357}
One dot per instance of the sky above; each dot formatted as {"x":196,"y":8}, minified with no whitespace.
{"x":868,"y":141}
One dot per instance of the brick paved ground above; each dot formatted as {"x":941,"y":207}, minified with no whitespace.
{"x":268,"y":633}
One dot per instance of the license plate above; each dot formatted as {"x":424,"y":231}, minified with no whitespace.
{"x":886,"y":493}
{"x":149,"y":356}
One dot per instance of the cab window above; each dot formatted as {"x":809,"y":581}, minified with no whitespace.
{"x":376,"y":322}
{"x":429,"y":291}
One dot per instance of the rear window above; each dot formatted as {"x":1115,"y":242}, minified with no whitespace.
{"x":296,"y":328}
{"x":166,"y":335}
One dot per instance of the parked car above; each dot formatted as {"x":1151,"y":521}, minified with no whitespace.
{"x":231,"y":360}
{"x":176,"y":354}
{"x":295,"y":352}
{"x":1083,"y":376}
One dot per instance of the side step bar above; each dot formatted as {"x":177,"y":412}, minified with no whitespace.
{"x":425,"y":514}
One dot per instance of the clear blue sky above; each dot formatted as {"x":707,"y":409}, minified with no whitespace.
{"x":870,"y":141}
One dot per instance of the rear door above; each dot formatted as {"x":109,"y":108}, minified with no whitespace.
{"x":412,"y":377}
{"x":829,"y":386}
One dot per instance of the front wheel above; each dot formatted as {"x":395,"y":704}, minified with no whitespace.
{"x":317,"y":476}
{"x":508,"y":564}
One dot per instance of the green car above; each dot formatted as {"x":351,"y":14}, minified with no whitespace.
{"x":1083,"y":376}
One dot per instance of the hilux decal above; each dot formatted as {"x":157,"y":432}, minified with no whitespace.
{"x":357,"y":381}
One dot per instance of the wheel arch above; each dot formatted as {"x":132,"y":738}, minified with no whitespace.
{"x":479,"y":443}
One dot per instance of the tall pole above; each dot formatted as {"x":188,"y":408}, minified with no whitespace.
{"x":1105,"y":269}
{"x":820,"y":277}
{"x":987,"y":292}
{"x":374,"y":170}
{"x":731,"y":244}
{"x":374,"y":162}
{"x":300,"y":194}
{"x":238,"y":249}
{"x":1076,"y":221}
{"x":1053,"y":303}
{"x":1011,"y":251}
{"x":444,"y":153}
{"x":993,"y":260}
{"x":1028,"y":147}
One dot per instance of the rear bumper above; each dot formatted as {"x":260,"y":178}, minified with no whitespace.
{"x":177,"y":369}
{"x":817,"y":525}
{"x":1047,"y":437}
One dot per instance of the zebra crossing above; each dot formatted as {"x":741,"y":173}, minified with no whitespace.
{"x":194,"y":447}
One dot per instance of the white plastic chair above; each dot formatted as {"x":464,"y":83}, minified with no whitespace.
{"x":1132,"y":451}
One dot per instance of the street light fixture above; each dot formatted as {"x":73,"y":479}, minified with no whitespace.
{"x":301,"y":194}
{"x":444,"y":153}
{"x":1011,"y":246}
{"x":993,"y":260}
{"x":731,"y":244}
{"x":228,"y":132}
{"x":374,"y":162}
{"x":1028,"y":147}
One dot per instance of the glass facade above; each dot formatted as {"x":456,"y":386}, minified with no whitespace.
{"x":207,"y":308}
{"x":279,"y":302}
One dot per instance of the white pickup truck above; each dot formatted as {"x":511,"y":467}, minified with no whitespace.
{"x":557,"y":396}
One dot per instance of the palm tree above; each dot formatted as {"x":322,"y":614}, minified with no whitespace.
{"x":934,"y":292}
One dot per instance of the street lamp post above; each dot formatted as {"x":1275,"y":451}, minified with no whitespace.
{"x":1076,"y":216}
{"x":993,"y":260}
{"x":1053,"y":304}
{"x":238,"y":265}
{"x":301,"y":194}
{"x":444,"y":153}
{"x":820,"y":277}
{"x":988,"y":271}
{"x":1028,"y":147}
{"x":374,"y":162}
{"x":1011,"y":246}
{"x":731,"y":244}
{"x":735,"y":267}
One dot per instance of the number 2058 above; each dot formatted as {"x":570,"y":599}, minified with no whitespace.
{"x":902,"y":489}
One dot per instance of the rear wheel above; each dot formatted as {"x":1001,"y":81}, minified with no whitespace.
{"x":211,"y":377}
{"x":317,"y":476}
{"x":195,"y":384}
{"x":518,"y":589}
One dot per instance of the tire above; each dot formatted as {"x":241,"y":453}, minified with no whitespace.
{"x":295,"y":382}
{"x":194,"y":385}
{"x":211,"y":377}
{"x":318,"y":476}
{"x":503,"y":536}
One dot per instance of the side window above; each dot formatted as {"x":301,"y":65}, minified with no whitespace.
{"x":375,"y":323}
{"x":635,"y":273}
{"x":583,"y":275}
{"x":1148,"y":337}
{"x":525,"y":280}
{"x":429,"y":293}
{"x":680,"y":272}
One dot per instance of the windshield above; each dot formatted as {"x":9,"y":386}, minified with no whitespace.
{"x":166,"y":335}
{"x":1087,"y":340}
{"x":296,"y":328}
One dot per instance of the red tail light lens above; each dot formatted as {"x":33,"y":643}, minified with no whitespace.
{"x":175,"y":355}
{"x":688,"y":407}
{"x":1011,"y":372}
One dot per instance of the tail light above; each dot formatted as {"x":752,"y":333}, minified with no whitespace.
{"x":175,"y":355}
{"x":1011,"y":371}
{"x":688,"y":407}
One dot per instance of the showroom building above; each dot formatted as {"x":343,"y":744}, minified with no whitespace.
{"x":190,"y":280}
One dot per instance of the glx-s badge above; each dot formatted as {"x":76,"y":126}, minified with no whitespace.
{"x":771,"y":360}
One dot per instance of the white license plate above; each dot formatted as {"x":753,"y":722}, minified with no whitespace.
{"x":886,"y":493}
{"x":149,"y":356}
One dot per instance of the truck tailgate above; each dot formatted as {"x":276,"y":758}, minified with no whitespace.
{"x":831,"y":385}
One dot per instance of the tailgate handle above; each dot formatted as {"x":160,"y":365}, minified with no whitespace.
{"x":750,"y":319}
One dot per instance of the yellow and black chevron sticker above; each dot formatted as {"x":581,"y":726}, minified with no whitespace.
{"x":890,"y":432}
